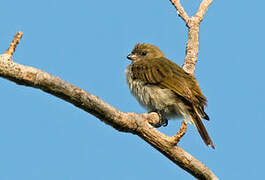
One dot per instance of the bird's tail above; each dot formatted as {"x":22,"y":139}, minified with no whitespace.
{"x":196,"y":119}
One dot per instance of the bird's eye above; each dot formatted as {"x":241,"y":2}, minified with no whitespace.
{"x":143,"y":53}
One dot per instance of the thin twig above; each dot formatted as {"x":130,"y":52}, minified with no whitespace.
{"x":203,"y":8}
{"x":12,"y":48}
{"x":180,"y":10}
{"x":182,"y":131}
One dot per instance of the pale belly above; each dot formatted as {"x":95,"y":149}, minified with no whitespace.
{"x":156,"y":99}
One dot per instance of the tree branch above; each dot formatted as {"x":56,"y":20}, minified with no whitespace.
{"x":192,"y":23}
{"x":182,"y":131}
{"x":180,"y":10}
{"x":192,"y":47}
{"x":203,"y":8}
{"x":139,"y":124}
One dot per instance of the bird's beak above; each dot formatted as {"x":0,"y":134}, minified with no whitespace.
{"x":131,"y":56}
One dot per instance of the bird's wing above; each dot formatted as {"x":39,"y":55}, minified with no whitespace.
{"x":165,"y":74}
{"x":150,"y":71}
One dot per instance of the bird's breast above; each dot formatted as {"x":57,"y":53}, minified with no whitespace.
{"x":153,"y":97}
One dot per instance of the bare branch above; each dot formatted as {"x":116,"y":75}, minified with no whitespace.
{"x":139,"y":124}
{"x":180,"y":10}
{"x":202,"y":9}
{"x":192,"y":23}
{"x":14,"y":43}
{"x":192,"y":47}
{"x":182,"y":131}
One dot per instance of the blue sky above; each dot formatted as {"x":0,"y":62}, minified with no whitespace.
{"x":86,"y":43}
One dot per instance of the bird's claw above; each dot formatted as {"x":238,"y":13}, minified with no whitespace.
{"x":162,"y":121}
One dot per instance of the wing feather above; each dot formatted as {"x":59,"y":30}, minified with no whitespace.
{"x":167,"y":74}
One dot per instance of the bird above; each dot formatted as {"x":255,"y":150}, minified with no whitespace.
{"x":161,"y":86}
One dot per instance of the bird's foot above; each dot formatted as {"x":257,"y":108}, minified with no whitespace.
{"x":162,"y":121}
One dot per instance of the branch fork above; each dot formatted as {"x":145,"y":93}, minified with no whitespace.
{"x":192,"y":23}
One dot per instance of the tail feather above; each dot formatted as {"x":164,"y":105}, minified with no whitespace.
{"x":202,"y":113}
{"x":201,"y":128}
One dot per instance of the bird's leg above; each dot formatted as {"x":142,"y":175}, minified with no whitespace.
{"x":163,"y":121}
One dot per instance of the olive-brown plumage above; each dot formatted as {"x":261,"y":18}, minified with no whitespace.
{"x":162,"y":86}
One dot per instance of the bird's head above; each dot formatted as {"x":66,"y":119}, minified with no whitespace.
{"x":145,"y":51}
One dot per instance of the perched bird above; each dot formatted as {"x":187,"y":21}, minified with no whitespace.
{"x":162,"y":86}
